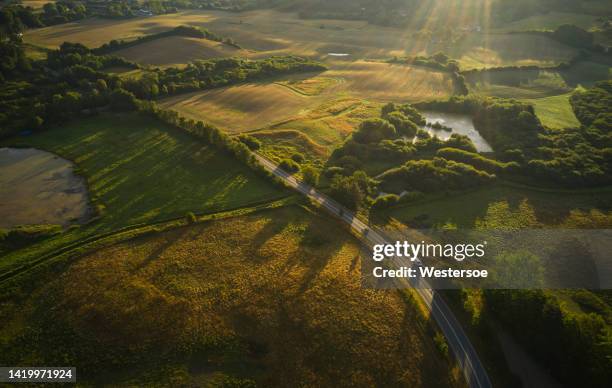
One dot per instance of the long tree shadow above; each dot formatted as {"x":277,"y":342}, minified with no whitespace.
{"x":315,"y":250}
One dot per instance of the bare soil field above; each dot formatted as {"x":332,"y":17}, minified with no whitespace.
{"x":176,"y":50}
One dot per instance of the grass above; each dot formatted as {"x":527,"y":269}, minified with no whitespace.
{"x":139,"y":171}
{"x":175,"y":50}
{"x":241,"y":108}
{"x":268,"y":297}
{"x":555,"y":112}
{"x":551,"y":207}
{"x":550,"y":21}
{"x":495,"y":50}
{"x":514,"y":83}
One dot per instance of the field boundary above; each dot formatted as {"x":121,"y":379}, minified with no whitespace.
{"x":137,"y":230}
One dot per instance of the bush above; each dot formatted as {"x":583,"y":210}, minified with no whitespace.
{"x":289,"y":166}
{"x":476,"y":160}
{"x":385,"y":202}
{"x":373,"y":131}
{"x":310,"y":175}
{"x":297,"y":157}
{"x":253,"y":143}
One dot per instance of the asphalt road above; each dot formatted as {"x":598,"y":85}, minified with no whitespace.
{"x":459,"y":343}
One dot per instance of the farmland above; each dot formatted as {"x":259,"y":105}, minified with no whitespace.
{"x":140,"y":171}
{"x":555,"y":112}
{"x":257,"y":298}
{"x":185,"y":50}
{"x":177,"y":255}
{"x":324,"y":108}
{"x":241,"y":108}
{"x":268,"y":32}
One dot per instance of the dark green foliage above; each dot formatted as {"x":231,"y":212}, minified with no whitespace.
{"x":573,"y":36}
{"x":477,"y":160}
{"x":298,"y":157}
{"x":22,"y":236}
{"x":70,"y":82}
{"x":373,"y":131}
{"x":432,"y":175}
{"x":580,"y":156}
{"x":251,"y":142}
{"x":289,"y":165}
{"x":385,"y":202}
{"x":592,"y":108}
{"x":576,"y":348}
{"x":188,"y":31}
{"x":402,"y":124}
{"x":348,"y":191}
{"x":310,"y":175}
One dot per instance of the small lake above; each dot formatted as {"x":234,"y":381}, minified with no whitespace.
{"x":38,"y":187}
{"x":460,"y":123}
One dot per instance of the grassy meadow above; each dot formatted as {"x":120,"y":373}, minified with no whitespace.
{"x":139,"y":170}
{"x":269,"y":298}
{"x":486,"y":50}
{"x":555,"y":112}
{"x":241,"y":108}
{"x":550,"y":207}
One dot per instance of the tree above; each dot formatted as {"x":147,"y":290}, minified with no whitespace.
{"x":346,"y":190}
{"x":374,"y":130}
{"x":289,"y":165}
{"x":310,"y":175}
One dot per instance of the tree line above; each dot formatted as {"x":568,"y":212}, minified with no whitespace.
{"x":188,"y":31}
{"x":72,"y":81}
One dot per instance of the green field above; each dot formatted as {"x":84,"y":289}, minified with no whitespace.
{"x":273,"y":297}
{"x":555,"y":112}
{"x":139,"y":170}
{"x":550,"y":207}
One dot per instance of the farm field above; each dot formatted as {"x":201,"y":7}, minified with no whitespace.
{"x":494,"y":50}
{"x":286,"y":102}
{"x":269,"y":32}
{"x":262,"y":298}
{"x":550,"y":207}
{"x":550,"y":21}
{"x":515,"y":83}
{"x":184,"y":50}
{"x":140,"y":171}
{"x":113,"y":151}
{"x":555,"y":112}
{"x":243,"y":107}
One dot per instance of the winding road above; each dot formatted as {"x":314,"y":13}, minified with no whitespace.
{"x":459,"y":343}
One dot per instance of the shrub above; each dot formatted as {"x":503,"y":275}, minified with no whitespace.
{"x":310,"y":175}
{"x":297,"y":157}
{"x":289,"y":165}
{"x":251,"y":142}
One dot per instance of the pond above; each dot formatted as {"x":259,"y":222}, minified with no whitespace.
{"x":38,"y":187}
{"x":460,"y":123}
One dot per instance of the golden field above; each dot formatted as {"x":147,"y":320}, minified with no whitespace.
{"x":269,"y":297}
{"x":269,"y":32}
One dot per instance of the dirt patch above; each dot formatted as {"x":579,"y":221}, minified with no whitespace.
{"x":38,"y":187}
